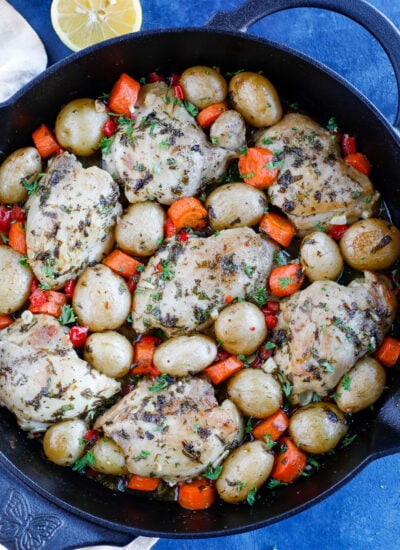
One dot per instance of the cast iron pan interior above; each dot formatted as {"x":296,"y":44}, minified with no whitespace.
{"x":318,"y":92}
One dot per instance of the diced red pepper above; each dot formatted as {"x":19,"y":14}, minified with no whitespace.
{"x":174,"y":79}
{"x":17,"y":213}
{"x":169,"y":227}
{"x":184,"y":236}
{"x":5,"y":218}
{"x":337,"y":231}
{"x":78,"y":336}
{"x":271,"y":320}
{"x":178,"y":91}
{"x":155,"y":77}
{"x":272,"y":306}
{"x":132,"y":283}
{"x":70,"y":287}
{"x":348,"y":145}
{"x":109,"y":128}
{"x":47,"y":301}
{"x":90,"y":435}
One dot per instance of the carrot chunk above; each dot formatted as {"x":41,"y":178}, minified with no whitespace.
{"x":5,"y":320}
{"x":143,"y":353}
{"x":122,"y":263}
{"x":188,"y":212}
{"x":289,"y":463}
{"x":199,"y":494}
{"x":277,"y":227}
{"x":389,"y":352}
{"x":273,"y":426}
{"x":220,"y":371}
{"x":359,"y":162}
{"x":209,"y":114}
{"x":124,"y":95}
{"x":286,"y":279}
{"x":17,"y":237}
{"x":141,"y":483}
{"x":45,"y":142}
{"x":257,"y":168}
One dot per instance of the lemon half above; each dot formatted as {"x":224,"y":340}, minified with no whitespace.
{"x":81,"y":23}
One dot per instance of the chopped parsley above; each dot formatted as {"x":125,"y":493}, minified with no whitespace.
{"x":105,"y":144}
{"x":87,"y":459}
{"x":251,"y":497}
{"x":346,"y":382}
{"x":213,"y":473}
{"x":67,"y":315}
{"x":32,"y":187}
{"x":161,"y":382}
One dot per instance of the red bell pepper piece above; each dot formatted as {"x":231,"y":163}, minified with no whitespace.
{"x":78,"y":336}
{"x":348,"y":145}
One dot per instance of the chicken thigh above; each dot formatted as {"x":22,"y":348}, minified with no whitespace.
{"x":164,"y":154}
{"x":70,"y":220}
{"x":42,"y":379}
{"x":186,"y":284}
{"x":315,"y":184}
{"x":172,"y":432}
{"x":324,"y":329}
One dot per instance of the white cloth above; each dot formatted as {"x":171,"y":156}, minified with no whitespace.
{"x":22,"y":53}
{"x":140,"y":543}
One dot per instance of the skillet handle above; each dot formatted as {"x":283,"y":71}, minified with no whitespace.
{"x":387,"y":434}
{"x":388,"y":36}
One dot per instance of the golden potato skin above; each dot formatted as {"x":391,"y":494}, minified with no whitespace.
{"x":108,"y":457}
{"x":101,"y":299}
{"x":371,"y":244}
{"x":22,"y":164}
{"x":367,"y":380}
{"x":229,"y":131}
{"x":184,"y":355}
{"x":241,"y":328}
{"x":246,"y":468}
{"x":318,"y":427}
{"x":16,"y":280}
{"x":79,"y":126}
{"x":62,"y":442}
{"x":320,"y":257}
{"x":203,"y":86}
{"x":255,"y":98}
{"x":235,"y":205}
{"x":109,"y":352}
{"x":141,"y":228}
{"x":255,"y":392}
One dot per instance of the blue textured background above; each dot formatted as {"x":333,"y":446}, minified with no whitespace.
{"x":365,"y":513}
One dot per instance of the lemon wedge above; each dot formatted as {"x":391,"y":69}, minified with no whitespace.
{"x":81,"y":23}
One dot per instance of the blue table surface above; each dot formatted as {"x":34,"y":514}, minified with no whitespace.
{"x":365,"y":513}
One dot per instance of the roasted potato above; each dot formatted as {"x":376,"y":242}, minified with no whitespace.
{"x":203,"y":86}
{"x":371,"y":244}
{"x":22,"y":164}
{"x":79,"y":125}
{"x":256,"y":99}
{"x":184,"y":355}
{"x":241,"y":328}
{"x":101,"y":299}
{"x":16,"y":280}
{"x":235,"y":205}
{"x":365,"y":384}
{"x":62,"y":442}
{"x":140,"y":231}
{"x":255,"y":392}
{"x":108,"y":457}
{"x":318,"y":427}
{"x":109,"y":352}
{"x":244,"y":471}
{"x":320,"y":257}
{"x":229,"y":131}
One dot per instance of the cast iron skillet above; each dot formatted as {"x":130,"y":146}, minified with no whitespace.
{"x":320,"y":92}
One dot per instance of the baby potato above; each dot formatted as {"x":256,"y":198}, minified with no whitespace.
{"x":22,"y":164}
{"x":256,"y":99}
{"x":367,"y":382}
{"x":141,"y":228}
{"x":235,"y":205}
{"x":16,"y":280}
{"x":318,"y":427}
{"x":203,"y":86}
{"x":79,"y":126}
{"x":241,"y":328}
{"x":246,"y":468}
{"x":108,"y":458}
{"x":62,"y":442}
{"x":371,"y":244}
{"x":184,"y":355}
{"x":229,"y":131}
{"x":255,"y":392}
{"x":320,"y":257}
{"x":109,"y":352}
{"x":101,"y":300}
